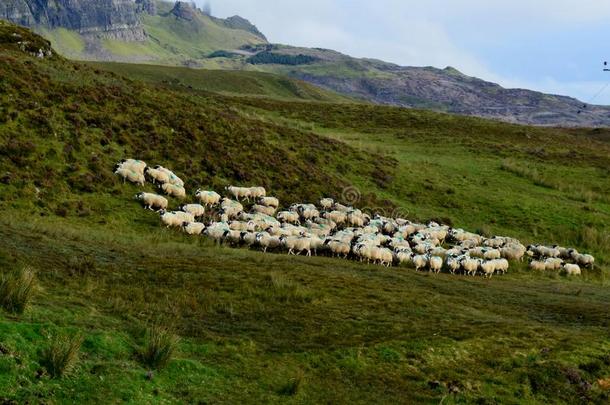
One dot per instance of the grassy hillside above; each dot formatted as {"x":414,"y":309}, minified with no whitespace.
{"x":225,"y":82}
{"x":268,"y":328}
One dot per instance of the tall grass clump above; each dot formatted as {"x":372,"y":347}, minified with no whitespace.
{"x":159,"y":346}
{"x":16,"y":289}
{"x":61,"y":356}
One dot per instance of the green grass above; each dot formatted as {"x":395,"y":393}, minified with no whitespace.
{"x":241,"y":83}
{"x":269,"y":328}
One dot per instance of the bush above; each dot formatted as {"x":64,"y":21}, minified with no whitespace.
{"x":16,"y":289}
{"x":61,"y":356}
{"x":159,"y":347}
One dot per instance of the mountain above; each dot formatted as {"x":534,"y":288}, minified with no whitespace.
{"x":167,"y":33}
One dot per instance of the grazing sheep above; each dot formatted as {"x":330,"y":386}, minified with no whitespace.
{"x":419,"y":261}
{"x":269,"y":202}
{"x":501,"y":265}
{"x":572,"y":269}
{"x":152,"y":201}
{"x":239,"y":192}
{"x":453,"y":264}
{"x":174,"y":190}
{"x":134,"y":165}
{"x":435,"y":263}
{"x":338,"y":248}
{"x":156,"y":176}
{"x":258,"y":192}
{"x":288,"y":217}
{"x":262,"y":209}
{"x":584,"y":260}
{"x":197,"y":210}
{"x":488,"y":267}
{"x":193,"y":228}
{"x":338,"y":217}
{"x":216,"y":231}
{"x":491,"y":254}
{"x":326,"y":203}
{"x":172,"y":178}
{"x":170,"y":219}
{"x":537,"y":265}
{"x":404,"y":257}
{"x":553,"y":263}
{"x":470,"y":265}
{"x":131,"y":176}
{"x":207,"y":198}
{"x":296,"y":244}
{"x":267,"y":241}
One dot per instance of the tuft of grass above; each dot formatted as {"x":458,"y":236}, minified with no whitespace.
{"x":16,"y":289}
{"x":61,"y":356}
{"x":159,"y":346}
{"x":284,"y":289}
{"x":293,"y":385}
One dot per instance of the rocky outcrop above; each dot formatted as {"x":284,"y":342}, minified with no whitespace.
{"x":184,"y":10}
{"x":116,"y":19}
{"x":240,"y":23}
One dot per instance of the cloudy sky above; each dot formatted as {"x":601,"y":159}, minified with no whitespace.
{"x":556,"y":46}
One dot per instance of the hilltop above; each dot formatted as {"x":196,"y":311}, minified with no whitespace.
{"x":271,"y":328}
{"x":178,"y":33}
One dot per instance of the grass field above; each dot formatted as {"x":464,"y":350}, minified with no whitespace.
{"x":268,"y":328}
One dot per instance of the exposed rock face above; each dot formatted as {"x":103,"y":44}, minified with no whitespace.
{"x":116,"y":19}
{"x":240,"y":23}
{"x":184,"y":10}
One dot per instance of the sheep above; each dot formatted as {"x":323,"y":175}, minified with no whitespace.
{"x":470,"y":265}
{"x":296,"y":243}
{"x":453,"y":264}
{"x":216,"y":230}
{"x":537,"y":265}
{"x":491,"y":254}
{"x":501,"y":265}
{"x":152,"y":201}
{"x":197,"y":210}
{"x":249,"y":238}
{"x":157,"y":176}
{"x":553,"y":263}
{"x":193,"y":228}
{"x":435,"y":263}
{"x":131,"y":176}
{"x":172,"y":178}
{"x":269,"y":202}
{"x":262,"y":209}
{"x":134,"y":165}
{"x":239,"y":192}
{"x":419,"y":261}
{"x":383,"y":256}
{"x":267,"y":241}
{"x":326,"y":203}
{"x":513,"y":252}
{"x":488,"y":267}
{"x":572,"y":269}
{"x":584,"y":260}
{"x":288,"y":217}
{"x":308,"y":211}
{"x":258,"y":192}
{"x":337,"y":217}
{"x":173,"y":190}
{"x":355,"y":218}
{"x":207,"y":198}
{"x":338,"y":248}
{"x":184,"y":216}
{"x":170,"y":219}
{"x":403,"y":257}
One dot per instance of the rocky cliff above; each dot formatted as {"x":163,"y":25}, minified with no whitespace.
{"x":116,"y":19}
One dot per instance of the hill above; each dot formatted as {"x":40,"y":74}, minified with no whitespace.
{"x":228,"y":82}
{"x":260,"y":327}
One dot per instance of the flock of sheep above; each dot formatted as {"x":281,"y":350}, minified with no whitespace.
{"x":338,"y":230}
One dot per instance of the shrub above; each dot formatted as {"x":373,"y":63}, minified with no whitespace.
{"x":61,"y":356}
{"x":159,"y":347}
{"x":16,"y":289}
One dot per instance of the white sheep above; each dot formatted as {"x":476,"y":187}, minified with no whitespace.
{"x":326,"y":203}
{"x":262,"y":209}
{"x":553,"y":263}
{"x":267,"y":241}
{"x":572,"y":269}
{"x":585,"y":260}
{"x":173,"y":179}
{"x":152,"y":201}
{"x":170,"y":219}
{"x":134,"y":165}
{"x":174,"y":190}
{"x":157,"y":176}
{"x":207,"y":198}
{"x":502,"y":265}
{"x":197,"y":210}
{"x":488,"y":267}
{"x":131,"y":176}
{"x":419,"y":261}
{"x":435,"y":263}
{"x":193,"y":228}
{"x":470,"y":265}
{"x":269,"y":202}
{"x":537,"y":265}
